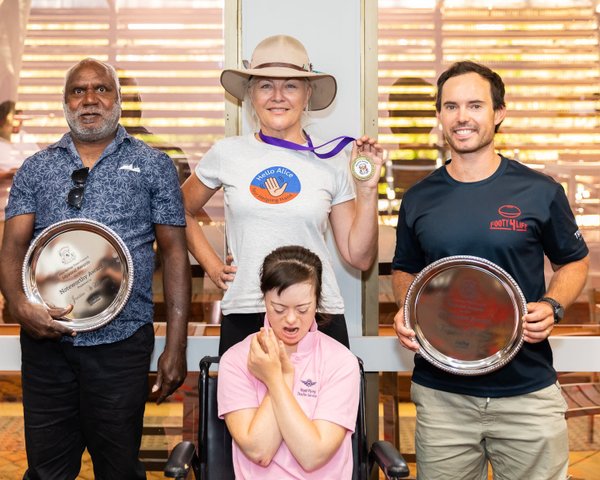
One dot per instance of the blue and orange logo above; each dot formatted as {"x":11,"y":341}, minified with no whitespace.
{"x":275,"y":185}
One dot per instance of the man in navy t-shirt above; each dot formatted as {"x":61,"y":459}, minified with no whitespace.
{"x":483,"y":204}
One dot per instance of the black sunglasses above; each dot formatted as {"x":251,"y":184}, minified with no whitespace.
{"x":75,"y":196}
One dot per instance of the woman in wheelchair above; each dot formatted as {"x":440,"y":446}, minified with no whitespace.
{"x":289,"y":394}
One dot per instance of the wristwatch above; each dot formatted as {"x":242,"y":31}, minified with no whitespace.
{"x":559,"y":311}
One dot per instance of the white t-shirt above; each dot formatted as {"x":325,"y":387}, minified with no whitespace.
{"x":295,"y":211}
{"x":10,"y":157}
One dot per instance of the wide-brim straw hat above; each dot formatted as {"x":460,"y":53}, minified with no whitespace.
{"x":281,"y":56}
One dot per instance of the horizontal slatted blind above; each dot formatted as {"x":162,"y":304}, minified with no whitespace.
{"x":170,"y":57}
{"x":549,"y":60}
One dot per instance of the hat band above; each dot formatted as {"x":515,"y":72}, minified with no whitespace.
{"x":286,"y":65}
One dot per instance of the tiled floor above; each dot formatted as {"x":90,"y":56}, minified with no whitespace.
{"x":584,"y":465}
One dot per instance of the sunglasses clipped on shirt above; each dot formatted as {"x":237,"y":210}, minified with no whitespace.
{"x":75,"y":196}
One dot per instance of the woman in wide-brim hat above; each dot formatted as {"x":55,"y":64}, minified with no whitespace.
{"x":275,"y":195}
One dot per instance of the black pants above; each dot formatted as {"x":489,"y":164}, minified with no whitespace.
{"x":78,"y":397}
{"x":237,"y":326}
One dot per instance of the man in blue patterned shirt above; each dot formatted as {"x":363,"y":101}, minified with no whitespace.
{"x":88,"y":389}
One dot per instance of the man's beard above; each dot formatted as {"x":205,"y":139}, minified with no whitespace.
{"x":92,"y":134}
{"x":456,"y":146}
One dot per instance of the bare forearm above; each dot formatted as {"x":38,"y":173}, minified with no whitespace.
{"x":262,"y":439}
{"x":400,"y":283}
{"x":15,"y":243}
{"x":10,"y":273}
{"x":568,"y":281}
{"x":177,"y":289}
{"x":172,"y":366}
{"x":37,"y":320}
{"x":305,"y":441}
{"x":364,"y":234}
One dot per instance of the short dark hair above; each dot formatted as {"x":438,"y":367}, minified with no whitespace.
{"x":289,"y":265}
{"x":5,"y":109}
{"x":467,"y":66}
{"x":109,"y":68}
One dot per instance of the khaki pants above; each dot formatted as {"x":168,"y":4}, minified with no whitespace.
{"x":523,"y":437}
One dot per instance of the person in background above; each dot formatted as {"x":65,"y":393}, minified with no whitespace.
{"x":88,"y":389}
{"x":10,"y":158}
{"x":22,"y":139}
{"x":289,"y":394}
{"x":482,"y":204}
{"x":131,"y":119}
{"x":276,"y":193}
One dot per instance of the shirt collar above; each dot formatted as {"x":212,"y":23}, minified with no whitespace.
{"x":306,"y":345}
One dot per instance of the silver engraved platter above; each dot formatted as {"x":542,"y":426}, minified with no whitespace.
{"x":82,"y":263}
{"x":466,"y":313}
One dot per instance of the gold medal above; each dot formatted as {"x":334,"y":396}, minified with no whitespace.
{"x":362,"y":168}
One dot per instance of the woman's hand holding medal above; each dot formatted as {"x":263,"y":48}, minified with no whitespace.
{"x":366,"y":161}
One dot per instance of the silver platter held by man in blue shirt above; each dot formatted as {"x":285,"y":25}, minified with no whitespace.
{"x":82,"y":263}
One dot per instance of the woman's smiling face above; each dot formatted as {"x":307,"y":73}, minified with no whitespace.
{"x":279,"y":103}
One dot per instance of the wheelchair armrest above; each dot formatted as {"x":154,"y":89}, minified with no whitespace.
{"x":389,"y":460}
{"x":181,"y":459}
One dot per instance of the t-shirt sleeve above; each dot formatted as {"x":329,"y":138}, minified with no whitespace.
{"x":208,"y":169}
{"x":236,"y":388}
{"x":408,"y":256}
{"x":563,"y":242}
{"x":343,"y":181}
{"x":339,"y":394}
{"x":22,"y":195}
{"x":167,"y":203}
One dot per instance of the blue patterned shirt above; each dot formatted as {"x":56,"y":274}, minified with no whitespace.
{"x":131,"y":188}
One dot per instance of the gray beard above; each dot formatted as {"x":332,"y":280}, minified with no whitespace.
{"x":92,"y":134}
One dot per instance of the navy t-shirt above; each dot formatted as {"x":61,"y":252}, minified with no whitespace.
{"x":513,"y":219}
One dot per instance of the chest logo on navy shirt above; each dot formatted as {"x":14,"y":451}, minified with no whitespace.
{"x":275,"y":185}
{"x":509,"y":219}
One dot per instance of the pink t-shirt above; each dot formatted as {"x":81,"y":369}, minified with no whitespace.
{"x":326,"y":386}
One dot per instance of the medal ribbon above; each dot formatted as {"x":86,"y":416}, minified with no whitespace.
{"x":278,"y":142}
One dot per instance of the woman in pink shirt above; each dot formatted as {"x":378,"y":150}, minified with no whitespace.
{"x":289,"y":394}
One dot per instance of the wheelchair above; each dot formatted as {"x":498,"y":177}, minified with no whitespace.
{"x":213,"y":460}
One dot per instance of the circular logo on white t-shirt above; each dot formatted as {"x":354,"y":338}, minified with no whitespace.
{"x":275,"y":185}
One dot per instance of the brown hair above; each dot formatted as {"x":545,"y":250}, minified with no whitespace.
{"x":5,"y":109}
{"x":289,"y":265}
{"x":461,"y":68}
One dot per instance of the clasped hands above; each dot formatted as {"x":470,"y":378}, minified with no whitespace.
{"x":268,"y":360}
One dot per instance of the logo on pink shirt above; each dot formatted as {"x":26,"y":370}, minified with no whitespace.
{"x":308,"y":391}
